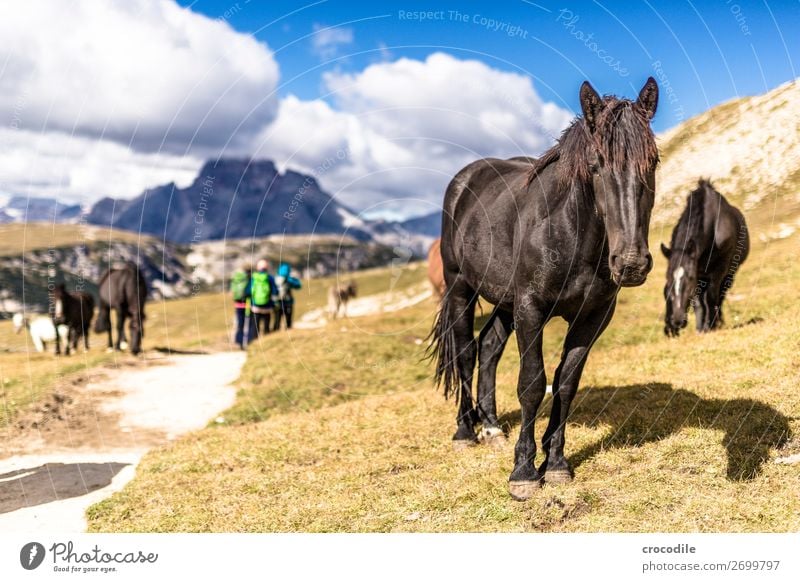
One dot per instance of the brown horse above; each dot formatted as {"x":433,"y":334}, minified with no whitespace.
{"x":338,"y":296}
{"x":435,"y":269}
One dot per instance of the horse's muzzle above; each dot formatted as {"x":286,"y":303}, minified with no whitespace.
{"x":631,"y":270}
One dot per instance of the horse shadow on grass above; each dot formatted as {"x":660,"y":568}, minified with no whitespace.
{"x":645,"y":413}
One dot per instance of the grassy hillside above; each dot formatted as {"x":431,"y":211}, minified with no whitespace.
{"x":203,"y":323}
{"x":341,"y":430}
{"x":197,"y":323}
{"x":17,"y":238}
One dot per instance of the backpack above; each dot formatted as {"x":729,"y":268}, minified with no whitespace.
{"x":239,"y":286}
{"x":261,"y":291}
{"x":284,"y":289}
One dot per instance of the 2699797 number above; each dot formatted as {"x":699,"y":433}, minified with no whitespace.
{"x":750,"y":565}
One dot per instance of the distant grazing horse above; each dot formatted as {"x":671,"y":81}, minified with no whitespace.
{"x":338,"y":297}
{"x":123,"y":289}
{"x":557,"y":236}
{"x":41,"y":330}
{"x":709,"y":244}
{"x":435,"y":270}
{"x":75,"y":310}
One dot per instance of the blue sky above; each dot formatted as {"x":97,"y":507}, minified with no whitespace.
{"x":708,"y":52}
{"x":382,"y":103}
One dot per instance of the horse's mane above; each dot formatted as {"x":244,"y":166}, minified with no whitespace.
{"x":691,"y":219}
{"x":622,"y":135}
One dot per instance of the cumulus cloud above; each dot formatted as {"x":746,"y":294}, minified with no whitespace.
{"x":398,"y":131}
{"x":145,"y":73}
{"x":79,"y":169}
{"x":327,"y":40}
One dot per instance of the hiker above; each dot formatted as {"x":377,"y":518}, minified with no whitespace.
{"x":284,"y":302}
{"x":240,"y":289}
{"x":262,"y":289}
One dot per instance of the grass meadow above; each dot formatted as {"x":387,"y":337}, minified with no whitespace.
{"x":340,"y":428}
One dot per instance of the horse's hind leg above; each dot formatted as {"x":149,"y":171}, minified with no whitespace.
{"x":491,"y":343}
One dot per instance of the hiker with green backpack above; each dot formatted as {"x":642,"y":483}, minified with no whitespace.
{"x":284,"y":302}
{"x":262,"y":290}
{"x":240,"y":290}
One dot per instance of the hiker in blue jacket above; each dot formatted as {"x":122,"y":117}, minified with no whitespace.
{"x":262,"y":290}
{"x":284,"y":302}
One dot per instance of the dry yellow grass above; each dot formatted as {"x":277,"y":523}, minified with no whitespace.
{"x":16,"y":238}
{"x":344,"y":432}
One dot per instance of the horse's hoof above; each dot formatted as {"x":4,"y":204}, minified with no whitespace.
{"x":493,"y":436}
{"x":554,"y":477}
{"x":523,"y":490}
{"x":463,"y":444}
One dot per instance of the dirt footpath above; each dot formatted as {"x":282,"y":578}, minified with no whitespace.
{"x":84,"y":442}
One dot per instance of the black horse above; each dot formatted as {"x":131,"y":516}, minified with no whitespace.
{"x":542,"y":238}
{"x":123,"y":289}
{"x":76,"y":311}
{"x":709,"y":244}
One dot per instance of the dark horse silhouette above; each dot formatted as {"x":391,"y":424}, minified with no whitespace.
{"x":542,"y":238}
{"x":75,"y":311}
{"x":123,"y":289}
{"x":709,"y":244}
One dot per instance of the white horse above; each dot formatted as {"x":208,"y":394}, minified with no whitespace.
{"x":41,"y":329}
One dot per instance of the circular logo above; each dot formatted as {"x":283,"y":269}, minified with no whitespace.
{"x":31,"y":555}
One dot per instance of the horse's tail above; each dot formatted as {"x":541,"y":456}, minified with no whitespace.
{"x":103,"y":322}
{"x":442,"y":348}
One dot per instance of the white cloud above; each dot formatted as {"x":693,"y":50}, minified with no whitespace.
{"x":142,"y":72}
{"x":79,"y":169}
{"x":407,"y":127}
{"x":327,"y":40}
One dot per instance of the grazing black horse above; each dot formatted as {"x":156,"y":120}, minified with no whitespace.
{"x":123,"y":289}
{"x":709,"y":244}
{"x":542,"y":238}
{"x":75,"y":311}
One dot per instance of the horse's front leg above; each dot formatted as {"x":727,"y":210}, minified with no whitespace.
{"x":525,"y":479}
{"x":58,"y":339}
{"x":70,"y":339}
{"x":580,"y":337}
{"x":120,"y":329}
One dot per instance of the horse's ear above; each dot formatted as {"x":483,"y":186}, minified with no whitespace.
{"x":591,"y":104}
{"x":648,"y":98}
{"x":665,"y":250}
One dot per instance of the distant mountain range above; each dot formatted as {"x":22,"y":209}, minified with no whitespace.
{"x":233,"y":199}
{"x":24,"y":209}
